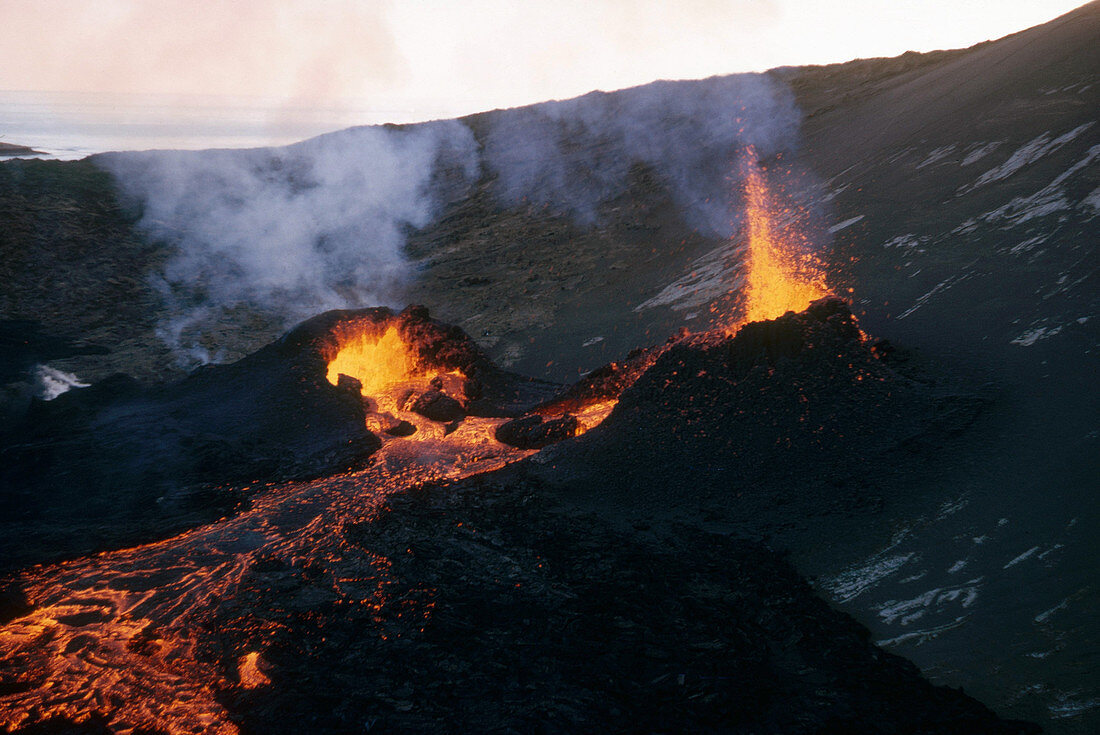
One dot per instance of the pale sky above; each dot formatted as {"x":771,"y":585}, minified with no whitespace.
{"x":432,"y":58}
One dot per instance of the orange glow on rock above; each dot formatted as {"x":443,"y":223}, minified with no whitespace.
{"x":249,"y":673}
{"x":593,"y":414}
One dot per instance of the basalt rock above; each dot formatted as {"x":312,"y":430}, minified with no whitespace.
{"x":571,"y":626}
{"x":438,"y":406}
{"x":535,"y":432}
{"x":400,"y":428}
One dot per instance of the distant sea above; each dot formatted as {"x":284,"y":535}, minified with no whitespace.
{"x":71,"y":125}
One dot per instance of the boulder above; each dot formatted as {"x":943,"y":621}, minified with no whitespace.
{"x":535,"y":432}
{"x":438,"y":406}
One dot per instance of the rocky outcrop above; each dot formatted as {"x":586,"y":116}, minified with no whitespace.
{"x":536,"y":432}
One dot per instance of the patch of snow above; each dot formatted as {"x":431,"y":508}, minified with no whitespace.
{"x":846,"y":223}
{"x":1045,"y":615}
{"x":1028,"y":244}
{"x":590,"y":342}
{"x":1048,"y":200}
{"x":900,"y":154}
{"x":980,"y":152}
{"x":1051,"y":550}
{"x":906,"y":611}
{"x":1023,"y":209}
{"x":708,"y":277}
{"x":908,"y":242}
{"x":938,"y":288}
{"x":937,"y":155}
{"x":854,"y":581}
{"x":1026,"y":555}
{"x":1067,"y":707}
{"x":1031,"y":336}
{"x":835,"y":193}
{"x":1092,"y":201}
{"x":1028,"y":153}
{"x":966,"y":227}
{"x":952,"y":507}
{"x":921,"y":636}
{"x":858,"y":578}
{"x":51,"y":382}
{"x":957,"y":566}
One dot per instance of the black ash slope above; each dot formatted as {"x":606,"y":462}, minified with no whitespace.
{"x":543,"y":619}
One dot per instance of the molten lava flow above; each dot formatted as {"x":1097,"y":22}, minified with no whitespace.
{"x":592,"y":415}
{"x":116,"y":635}
{"x":124,"y":636}
{"x":780,"y":275}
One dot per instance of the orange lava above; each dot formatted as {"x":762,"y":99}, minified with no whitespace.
{"x":248,"y":671}
{"x":592,"y":414}
{"x":117,"y":635}
{"x":780,"y":274}
{"x":378,"y":361}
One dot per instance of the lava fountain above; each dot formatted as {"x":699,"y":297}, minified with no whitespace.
{"x":780,"y":273}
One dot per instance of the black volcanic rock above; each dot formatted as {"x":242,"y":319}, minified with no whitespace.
{"x":120,"y":456}
{"x":119,"y":460}
{"x":785,"y":409}
{"x":504,"y":613}
{"x":438,"y":406}
{"x":535,"y":432}
{"x":487,"y":604}
{"x":400,"y":428}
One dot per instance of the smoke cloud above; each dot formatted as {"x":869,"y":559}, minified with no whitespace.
{"x":316,"y":225}
{"x":573,"y":155}
{"x":323,"y":223}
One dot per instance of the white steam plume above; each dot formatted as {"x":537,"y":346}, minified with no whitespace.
{"x":574,"y":154}
{"x":316,"y":225}
{"x":322,"y":224}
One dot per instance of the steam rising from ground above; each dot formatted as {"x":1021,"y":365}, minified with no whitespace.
{"x":322,"y":224}
{"x":574,"y":154}
{"x":316,"y":225}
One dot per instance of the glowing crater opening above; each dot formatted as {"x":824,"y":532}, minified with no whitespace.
{"x":379,"y":362}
